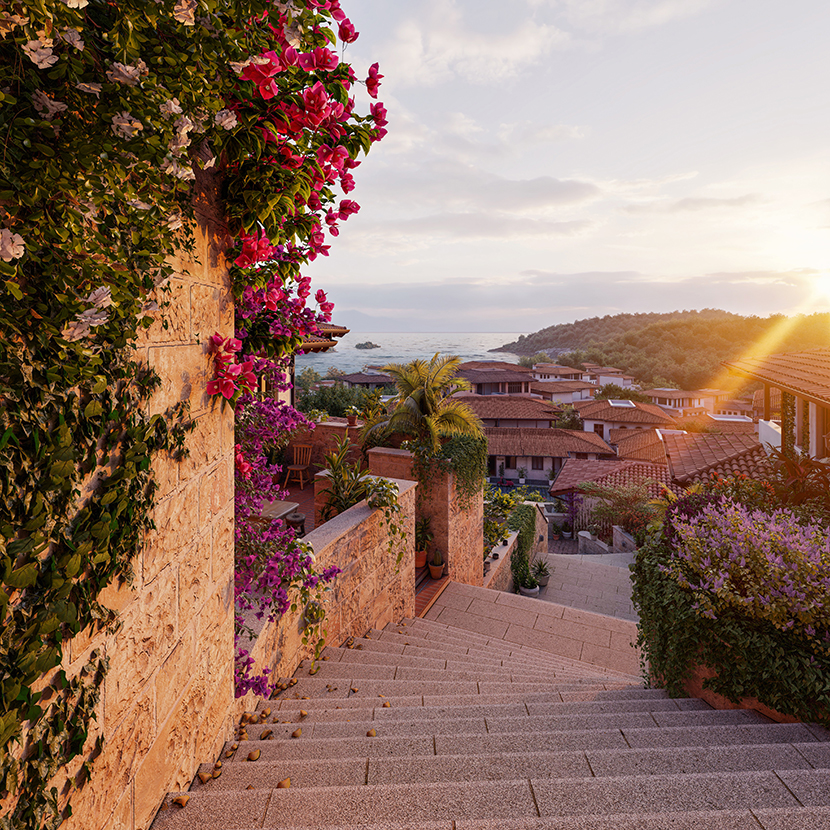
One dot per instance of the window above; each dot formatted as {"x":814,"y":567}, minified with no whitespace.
{"x":510,"y":462}
{"x":537,"y":463}
{"x":599,"y":429}
{"x":514,"y":388}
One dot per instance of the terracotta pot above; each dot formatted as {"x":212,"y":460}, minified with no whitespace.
{"x":351,"y":420}
{"x":436,"y":571}
{"x":420,"y":558}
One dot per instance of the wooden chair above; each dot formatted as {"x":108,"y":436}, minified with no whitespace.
{"x":301,"y":465}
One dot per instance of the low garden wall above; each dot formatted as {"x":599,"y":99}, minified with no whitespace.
{"x":500,"y":576}
{"x":371,"y":590}
{"x":323,"y":439}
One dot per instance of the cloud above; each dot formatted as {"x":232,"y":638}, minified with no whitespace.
{"x":614,"y":17}
{"x":439,"y":45}
{"x":693,"y":204}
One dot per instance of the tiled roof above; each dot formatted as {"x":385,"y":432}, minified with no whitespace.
{"x":332,"y":329}
{"x":615,"y":473}
{"x":510,"y":406}
{"x":493,"y":364}
{"x":316,"y":343}
{"x":682,"y":393}
{"x":547,"y":443}
{"x":697,"y":456}
{"x":554,"y":386}
{"x":364,"y":377}
{"x":494,"y":375}
{"x":555,"y":367}
{"x":704,"y":423}
{"x":638,"y":445}
{"x":640,"y":413}
{"x":806,"y":374}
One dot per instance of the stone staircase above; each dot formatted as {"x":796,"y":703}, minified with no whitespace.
{"x":429,"y":726}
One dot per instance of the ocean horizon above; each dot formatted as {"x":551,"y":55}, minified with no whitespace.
{"x":403,"y":347}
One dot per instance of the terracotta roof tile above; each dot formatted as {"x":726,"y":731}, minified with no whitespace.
{"x":494,"y":375}
{"x":704,"y":423}
{"x":695,"y":456}
{"x":545,"y":386}
{"x":365,"y":377}
{"x":640,"y":413}
{"x":615,"y":473}
{"x":806,"y":374}
{"x":494,"y":364}
{"x":638,"y":445}
{"x":510,"y":406}
{"x":547,"y":443}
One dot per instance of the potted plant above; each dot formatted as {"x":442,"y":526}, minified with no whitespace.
{"x":567,"y":530}
{"x":436,"y":565}
{"x":555,"y":531}
{"x":351,"y":415}
{"x":529,"y":586}
{"x":423,"y":537}
{"x":522,"y":475}
{"x":541,"y":572}
{"x":593,"y":530}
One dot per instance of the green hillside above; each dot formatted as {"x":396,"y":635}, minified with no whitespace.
{"x":682,"y":349}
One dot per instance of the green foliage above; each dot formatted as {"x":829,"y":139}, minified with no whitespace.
{"x":682,"y":348}
{"x":332,"y":399}
{"x":423,"y":533}
{"x":531,"y":360}
{"x":569,"y":419}
{"x":628,"y":506}
{"x":752,"y":658}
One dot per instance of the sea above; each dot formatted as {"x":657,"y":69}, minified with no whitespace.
{"x":404,"y":347}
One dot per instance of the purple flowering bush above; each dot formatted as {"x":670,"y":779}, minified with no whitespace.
{"x":763,"y":564}
{"x":740,"y":586}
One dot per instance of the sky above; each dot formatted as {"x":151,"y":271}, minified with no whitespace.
{"x":552,"y":160}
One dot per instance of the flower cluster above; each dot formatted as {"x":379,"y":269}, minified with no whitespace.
{"x":762,"y":564}
{"x":231,"y":378}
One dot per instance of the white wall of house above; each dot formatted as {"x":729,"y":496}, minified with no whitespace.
{"x":769,"y":433}
{"x":589,"y":426}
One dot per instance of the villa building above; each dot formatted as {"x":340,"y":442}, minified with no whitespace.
{"x":366,"y":380}
{"x":803,"y":380}
{"x":602,"y":416}
{"x":563,"y":391}
{"x":497,"y":381}
{"x":512,"y":411}
{"x":540,"y":452}
{"x":553,"y":371}
{"x":679,"y":402}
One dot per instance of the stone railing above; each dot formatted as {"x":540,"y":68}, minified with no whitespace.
{"x":371,"y":590}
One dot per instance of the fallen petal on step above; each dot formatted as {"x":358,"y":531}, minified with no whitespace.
{"x":234,"y":747}
{"x":254,"y":756}
{"x":314,"y":670}
{"x":284,"y":784}
{"x":266,"y":734}
{"x":216,"y":773}
{"x":371,"y":734}
{"x":296,"y":733}
{"x":204,"y":777}
{"x":266,"y":712}
{"x":387,"y":704}
{"x":181,"y":800}
{"x":218,"y":765}
{"x":354,"y":689}
{"x":303,"y":713}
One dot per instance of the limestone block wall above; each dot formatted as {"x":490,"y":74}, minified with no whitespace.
{"x":540,"y":538}
{"x":167,"y":701}
{"x":323,"y":438}
{"x":500,"y":576}
{"x":458,"y":529}
{"x":371,"y":590}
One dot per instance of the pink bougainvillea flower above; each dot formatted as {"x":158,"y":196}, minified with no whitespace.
{"x":378,"y":114}
{"x":373,"y":80}
{"x":319,"y":59}
{"x":347,"y":208}
{"x":346,"y":32}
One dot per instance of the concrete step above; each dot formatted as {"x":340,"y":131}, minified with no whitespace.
{"x":499,"y":800}
{"x":376,"y":710}
{"x":240,"y":775}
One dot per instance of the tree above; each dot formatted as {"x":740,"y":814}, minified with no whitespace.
{"x":569,"y":419}
{"x":424,"y":409}
{"x":531,"y":360}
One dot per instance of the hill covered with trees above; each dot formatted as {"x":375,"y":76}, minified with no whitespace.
{"x":683,"y":349}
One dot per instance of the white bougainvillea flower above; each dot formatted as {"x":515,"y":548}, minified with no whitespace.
{"x":73,"y":38}
{"x":294,"y":35}
{"x":76,"y":4}
{"x":171,"y":107}
{"x":94,"y":317}
{"x":8,"y":22}
{"x":125,"y":126}
{"x":40,"y":56}
{"x":209,"y":163}
{"x":75,"y":331}
{"x":174,"y":221}
{"x":180,"y":171}
{"x":226,"y":119}
{"x":94,"y":89}
{"x":138,"y":204}
{"x":123,"y":73}
{"x":100,"y":298}
{"x":240,"y":66}
{"x":185,"y":11}
{"x":11,"y":245}
{"x":47,"y":108}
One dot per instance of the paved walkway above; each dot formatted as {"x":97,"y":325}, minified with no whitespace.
{"x":601,"y":584}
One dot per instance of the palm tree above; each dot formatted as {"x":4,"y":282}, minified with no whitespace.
{"x":424,"y":408}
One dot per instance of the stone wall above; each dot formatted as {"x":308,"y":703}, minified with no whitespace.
{"x":371,"y":590}
{"x":500,"y":576}
{"x":167,"y":701}
{"x":458,"y":529}
{"x":323,"y":438}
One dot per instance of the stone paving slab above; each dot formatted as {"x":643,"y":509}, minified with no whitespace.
{"x":336,"y":748}
{"x":771,"y":733}
{"x":401,"y":802}
{"x":810,"y":818}
{"x":810,"y":787}
{"x":320,"y":772}
{"x":662,"y":793}
{"x":521,"y":742}
{"x":697,"y":820}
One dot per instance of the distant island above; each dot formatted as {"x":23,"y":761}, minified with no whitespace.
{"x":681,"y":348}
{"x":367,"y":345}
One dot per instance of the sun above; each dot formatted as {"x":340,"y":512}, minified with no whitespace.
{"x":821,"y":287}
